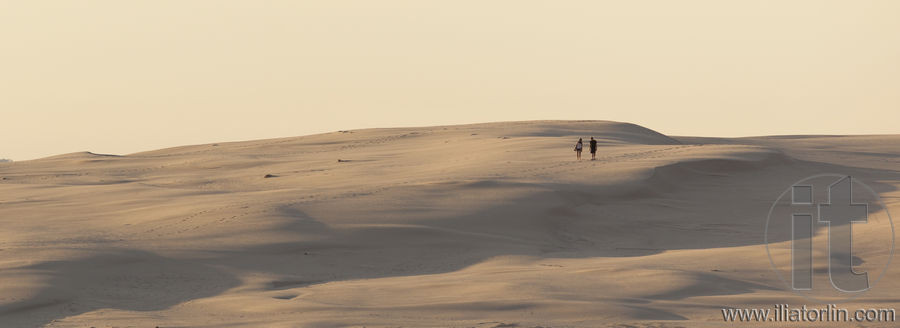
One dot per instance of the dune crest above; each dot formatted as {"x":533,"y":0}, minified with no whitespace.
{"x":482,"y":225}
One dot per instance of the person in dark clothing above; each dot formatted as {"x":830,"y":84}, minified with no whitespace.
{"x":593,"y":149}
{"x":578,"y":147}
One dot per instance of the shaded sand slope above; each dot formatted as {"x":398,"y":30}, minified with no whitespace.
{"x":483,"y":225}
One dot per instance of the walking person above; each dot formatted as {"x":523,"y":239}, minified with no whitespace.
{"x":578,"y":147}
{"x":593,"y":149}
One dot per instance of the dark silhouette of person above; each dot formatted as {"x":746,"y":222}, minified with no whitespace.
{"x":593,"y":149}
{"x":578,"y":147}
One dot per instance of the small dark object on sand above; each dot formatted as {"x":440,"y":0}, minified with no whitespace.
{"x":270,"y":176}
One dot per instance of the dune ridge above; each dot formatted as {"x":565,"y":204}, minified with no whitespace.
{"x":478,"y":225}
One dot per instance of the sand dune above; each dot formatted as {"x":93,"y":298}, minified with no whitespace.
{"x":483,"y":225}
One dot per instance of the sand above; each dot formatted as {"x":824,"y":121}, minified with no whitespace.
{"x":483,"y":225}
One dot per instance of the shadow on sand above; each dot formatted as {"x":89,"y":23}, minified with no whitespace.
{"x":560,"y":221}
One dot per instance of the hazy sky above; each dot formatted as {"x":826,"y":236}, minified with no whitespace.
{"x":126,"y":76}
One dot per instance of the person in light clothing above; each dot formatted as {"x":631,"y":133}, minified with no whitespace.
{"x":578,"y":147}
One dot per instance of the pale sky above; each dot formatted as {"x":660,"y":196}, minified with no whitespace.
{"x":127,"y":76}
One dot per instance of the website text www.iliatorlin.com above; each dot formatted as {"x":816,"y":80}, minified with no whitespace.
{"x":830,"y":313}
